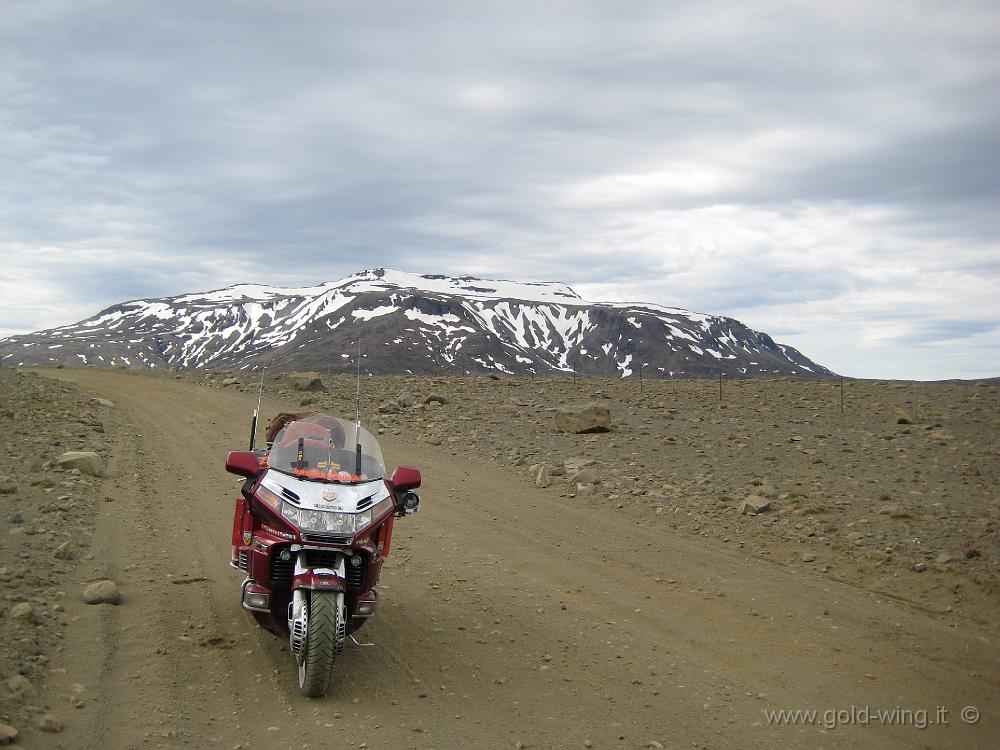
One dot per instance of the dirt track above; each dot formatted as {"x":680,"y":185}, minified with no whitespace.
{"x":504,"y":620}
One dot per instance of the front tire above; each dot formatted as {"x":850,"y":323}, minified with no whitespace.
{"x":324,"y":640}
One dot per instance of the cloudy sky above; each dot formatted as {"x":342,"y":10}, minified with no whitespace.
{"x":827,"y":172}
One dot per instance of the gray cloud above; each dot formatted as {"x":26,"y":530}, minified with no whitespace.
{"x":794,"y":163}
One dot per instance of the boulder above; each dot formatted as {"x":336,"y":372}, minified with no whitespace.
{"x":753,"y":505}
{"x":405,"y":400}
{"x":87,"y":462}
{"x":313,"y":385}
{"x":583,"y":419}
{"x":102,"y":592}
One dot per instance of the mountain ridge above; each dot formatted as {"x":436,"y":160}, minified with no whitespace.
{"x":411,"y":323}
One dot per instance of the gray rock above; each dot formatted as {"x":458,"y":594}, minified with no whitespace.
{"x":899,"y":416}
{"x":542,"y":477}
{"x":753,"y":505}
{"x":8,"y":734}
{"x":585,"y":489}
{"x":405,"y":400}
{"x":583,"y":419}
{"x":944,"y":558}
{"x":312,"y":384}
{"x":435,"y":398}
{"x":808,"y":557}
{"x":231,"y":381}
{"x":920,"y":567}
{"x":102,"y":592}
{"x":87,"y":462}
{"x":389,"y":407}
{"x":308,"y":400}
{"x":7,"y":488}
{"x":65,"y":551}
{"x":103,"y":402}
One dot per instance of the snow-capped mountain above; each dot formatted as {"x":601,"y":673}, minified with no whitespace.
{"x":410,"y":322}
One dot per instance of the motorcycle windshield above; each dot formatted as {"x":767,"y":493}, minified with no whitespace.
{"x":324,"y":448}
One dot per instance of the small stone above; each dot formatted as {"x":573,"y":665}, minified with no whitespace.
{"x":102,"y":592}
{"x":584,"y":476}
{"x":103,"y":402}
{"x":405,"y":400}
{"x":231,"y":381}
{"x":435,"y":398}
{"x":944,"y":558}
{"x":308,"y":400}
{"x":49,"y":723}
{"x":22,"y":611}
{"x":88,"y":462}
{"x":920,"y":567}
{"x":7,"y":488}
{"x":20,"y":685}
{"x":899,"y":416}
{"x":389,"y":407}
{"x":500,"y":681}
{"x":753,"y":505}
{"x":8,"y":734}
{"x":808,"y":557}
{"x":542,"y":477}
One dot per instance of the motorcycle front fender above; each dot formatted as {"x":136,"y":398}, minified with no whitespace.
{"x":314,"y":581}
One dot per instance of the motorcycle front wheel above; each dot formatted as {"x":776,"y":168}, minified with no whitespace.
{"x":324,"y":640}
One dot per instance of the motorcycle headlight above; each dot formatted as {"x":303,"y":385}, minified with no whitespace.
{"x":333,"y":522}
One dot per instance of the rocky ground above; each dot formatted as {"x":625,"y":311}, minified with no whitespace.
{"x":657,"y":584}
{"x":47,"y":509}
{"x":904,"y":482}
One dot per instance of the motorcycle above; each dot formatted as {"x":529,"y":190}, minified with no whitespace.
{"x":311,"y":532}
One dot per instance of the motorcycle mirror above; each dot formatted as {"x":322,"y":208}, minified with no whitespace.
{"x":405,"y":478}
{"x":243,"y":463}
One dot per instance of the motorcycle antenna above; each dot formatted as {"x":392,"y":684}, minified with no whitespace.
{"x":253,"y":424}
{"x":357,"y":414}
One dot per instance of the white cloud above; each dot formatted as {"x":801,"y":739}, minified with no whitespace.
{"x":825,"y":172}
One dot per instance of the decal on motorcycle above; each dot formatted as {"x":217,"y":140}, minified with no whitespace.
{"x":246,"y":537}
{"x":275,"y":532}
{"x":330,"y":495}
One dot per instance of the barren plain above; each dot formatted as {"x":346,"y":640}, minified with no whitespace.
{"x":711,"y":560}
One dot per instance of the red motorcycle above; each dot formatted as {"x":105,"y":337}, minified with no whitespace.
{"x":311,"y":531}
